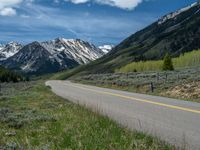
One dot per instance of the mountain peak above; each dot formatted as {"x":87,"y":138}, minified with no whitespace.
{"x":13,"y":42}
{"x":35,"y":43}
{"x":9,"y":50}
{"x":64,"y":39}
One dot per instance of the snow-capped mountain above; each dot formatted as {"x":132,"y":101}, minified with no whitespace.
{"x":52,"y":56}
{"x":80,"y":51}
{"x":8,"y":50}
{"x":106,"y":48}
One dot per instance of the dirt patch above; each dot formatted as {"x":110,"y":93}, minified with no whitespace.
{"x":187,"y":91}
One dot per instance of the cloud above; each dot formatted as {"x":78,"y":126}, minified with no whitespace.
{"x":123,"y":4}
{"x":50,"y":22}
{"x":8,"y":12}
{"x":6,"y":7}
{"x":8,"y":3}
{"x":78,"y":1}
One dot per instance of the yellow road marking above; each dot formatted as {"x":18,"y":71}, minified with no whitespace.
{"x":140,"y":100}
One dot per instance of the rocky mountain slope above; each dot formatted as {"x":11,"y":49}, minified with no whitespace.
{"x":50,"y":56}
{"x":176,"y":33}
{"x":9,"y":50}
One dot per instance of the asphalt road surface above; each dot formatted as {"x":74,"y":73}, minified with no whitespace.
{"x":174,"y":121}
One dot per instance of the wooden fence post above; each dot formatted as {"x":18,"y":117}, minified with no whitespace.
{"x":157,"y":77}
{"x":152,"y":87}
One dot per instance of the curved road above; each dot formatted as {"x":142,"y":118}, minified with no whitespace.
{"x":174,"y":121}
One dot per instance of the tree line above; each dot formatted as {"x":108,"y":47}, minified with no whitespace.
{"x":7,"y":75}
{"x":186,"y":60}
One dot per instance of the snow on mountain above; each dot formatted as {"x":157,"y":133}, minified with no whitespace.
{"x":8,"y":50}
{"x":176,"y":13}
{"x":50,"y":56}
{"x":75,"y":49}
{"x":1,"y":47}
{"x":106,"y":48}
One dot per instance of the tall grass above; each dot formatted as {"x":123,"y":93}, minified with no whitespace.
{"x":189,"y":59}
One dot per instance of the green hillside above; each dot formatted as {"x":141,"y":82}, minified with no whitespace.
{"x":190,"y":59}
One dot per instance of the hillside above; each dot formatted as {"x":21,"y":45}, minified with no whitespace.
{"x":188,"y":60}
{"x":175,"y":33}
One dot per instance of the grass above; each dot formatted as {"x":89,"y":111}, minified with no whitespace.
{"x":189,"y":59}
{"x":32,"y":117}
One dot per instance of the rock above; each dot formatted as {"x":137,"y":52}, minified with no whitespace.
{"x":13,"y":133}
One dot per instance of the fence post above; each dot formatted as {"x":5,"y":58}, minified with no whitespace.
{"x":166,"y":78}
{"x":152,"y":87}
{"x":157,"y":77}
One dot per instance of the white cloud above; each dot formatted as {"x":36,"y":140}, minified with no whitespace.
{"x":6,"y":7}
{"x":24,"y":16}
{"x":8,"y":12}
{"x":78,"y":1}
{"x":123,"y":4}
{"x":8,"y":3}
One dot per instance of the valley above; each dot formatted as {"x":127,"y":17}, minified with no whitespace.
{"x":140,"y":93}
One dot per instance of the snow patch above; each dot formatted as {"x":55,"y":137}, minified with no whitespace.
{"x":106,"y":48}
{"x":75,"y":49}
{"x":174,"y":14}
{"x":8,"y":50}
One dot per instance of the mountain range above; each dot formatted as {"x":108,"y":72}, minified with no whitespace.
{"x":175,"y":33}
{"x":49,"y":56}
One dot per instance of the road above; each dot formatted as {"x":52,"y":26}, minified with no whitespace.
{"x":174,"y":121}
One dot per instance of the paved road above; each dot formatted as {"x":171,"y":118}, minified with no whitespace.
{"x":174,"y":121}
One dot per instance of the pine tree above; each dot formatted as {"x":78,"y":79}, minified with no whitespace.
{"x":167,"y":63}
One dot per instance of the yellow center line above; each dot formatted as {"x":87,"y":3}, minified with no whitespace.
{"x":140,"y":100}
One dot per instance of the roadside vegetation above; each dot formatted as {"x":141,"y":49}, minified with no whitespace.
{"x":180,"y":84}
{"x":190,"y":59}
{"x":32,"y":117}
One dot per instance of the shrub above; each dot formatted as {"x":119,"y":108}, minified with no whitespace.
{"x":167,"y":63}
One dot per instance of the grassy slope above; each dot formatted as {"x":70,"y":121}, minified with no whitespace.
{"x":190,"y":59}
{"x":32,"y":117}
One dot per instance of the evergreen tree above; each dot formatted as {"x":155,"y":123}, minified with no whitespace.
{"x":167,"y":63}
{"x":7,"y":75}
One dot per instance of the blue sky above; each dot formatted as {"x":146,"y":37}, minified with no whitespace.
{"x":97,"y":21}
